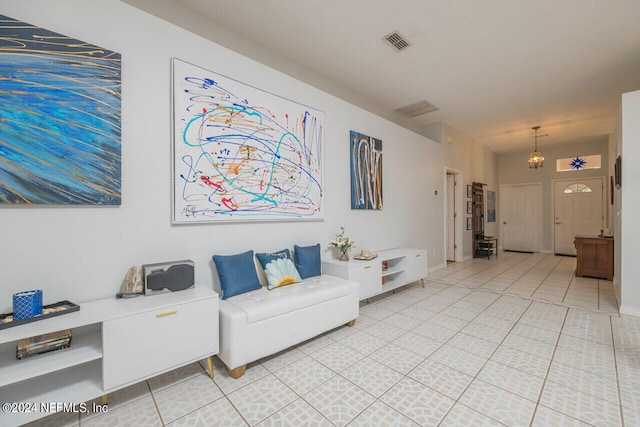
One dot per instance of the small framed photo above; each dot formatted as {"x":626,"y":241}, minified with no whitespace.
{"x":469,"y":193}
{"x":469,"y":207}
{"x":469,"y":223}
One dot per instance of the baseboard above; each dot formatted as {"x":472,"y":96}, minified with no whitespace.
{"x":436,"y":267}
{"x":630,"y":311}
{"x":616,"y":293}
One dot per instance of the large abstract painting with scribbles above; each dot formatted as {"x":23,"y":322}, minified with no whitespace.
{"x":242,"y":154}
{"x":366,"y":171}
{"x":59,"y":119}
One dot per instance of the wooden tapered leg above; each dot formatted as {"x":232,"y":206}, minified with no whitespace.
{"x":351,"y":323}
{"x":237,"y":372}
{"x":104,"y":399}
{"x":422,"y":281}
{"x":210,"y":366}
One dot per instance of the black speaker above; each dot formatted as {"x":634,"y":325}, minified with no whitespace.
{"x":168,"y":276}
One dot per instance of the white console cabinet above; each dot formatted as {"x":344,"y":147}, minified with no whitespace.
{"x":115,"y":343}
{"x":389,"y":270}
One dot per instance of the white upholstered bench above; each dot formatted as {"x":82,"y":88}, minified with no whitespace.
{"x":262,"y":322}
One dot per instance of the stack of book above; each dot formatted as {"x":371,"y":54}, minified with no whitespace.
{"x":39,"y":344}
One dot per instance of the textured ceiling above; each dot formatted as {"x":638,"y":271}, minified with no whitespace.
{"x":494,"y":68}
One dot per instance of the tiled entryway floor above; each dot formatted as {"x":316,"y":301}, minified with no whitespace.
{"x":485,"y":343}
{"x":542,"y":277}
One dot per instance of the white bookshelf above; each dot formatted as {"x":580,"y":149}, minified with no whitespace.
{"x":389,"y":270}
{"x":187,"y":319}
{"x":77,"y":385}
{"x":85,"y":348}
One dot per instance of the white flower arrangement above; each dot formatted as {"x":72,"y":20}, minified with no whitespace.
{"x":343,"y":243}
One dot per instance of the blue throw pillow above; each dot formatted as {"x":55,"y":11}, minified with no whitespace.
{"x":278,"y":268}
{"x":308,"y":260}
{"x":237,"y":274}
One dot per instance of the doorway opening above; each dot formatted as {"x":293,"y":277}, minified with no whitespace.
{"x":452,"y":222}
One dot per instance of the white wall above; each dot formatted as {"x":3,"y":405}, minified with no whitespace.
{"x":475,"y":163}
{"x":513,"y":168}
{"x":615,"y":147}
{"x":82,"y":253}
{"x":486,"y":171}
{"x":627,"y":230}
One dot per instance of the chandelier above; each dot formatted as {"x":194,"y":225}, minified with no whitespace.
{"x":535,"y":158}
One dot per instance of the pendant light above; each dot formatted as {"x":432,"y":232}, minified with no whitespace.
{"x":535,"y":158}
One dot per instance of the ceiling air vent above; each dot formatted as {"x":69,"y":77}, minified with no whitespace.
{"x":417,"y":109}
{"x":396,"y":41}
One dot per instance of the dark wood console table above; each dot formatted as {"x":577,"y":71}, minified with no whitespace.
{"x":594,"y":256}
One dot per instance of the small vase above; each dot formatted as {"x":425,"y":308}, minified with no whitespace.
{"x":344,"y":255}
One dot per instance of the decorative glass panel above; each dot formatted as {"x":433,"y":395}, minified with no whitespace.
{"x":578,"y":188}
{"x":579,"y":163}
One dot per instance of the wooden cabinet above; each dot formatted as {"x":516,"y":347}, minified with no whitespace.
{"x":389,"y":270}
{"x":114,"y":343}
{"x":594,"y":256}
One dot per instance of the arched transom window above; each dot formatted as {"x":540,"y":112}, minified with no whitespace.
{"x":577,"y":188}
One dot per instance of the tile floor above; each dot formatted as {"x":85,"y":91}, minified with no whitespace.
{"x":514,"y":341}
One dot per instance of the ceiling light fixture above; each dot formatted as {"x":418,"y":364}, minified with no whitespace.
{"x":536,"y":159}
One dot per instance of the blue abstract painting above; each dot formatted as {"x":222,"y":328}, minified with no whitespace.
{"x":242,"y":154}
{"x":59,"y":119}
{"x":366,"y":171}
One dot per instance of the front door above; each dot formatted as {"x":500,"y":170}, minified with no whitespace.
{"x":520,"y":214}
{"x":578,"y":210}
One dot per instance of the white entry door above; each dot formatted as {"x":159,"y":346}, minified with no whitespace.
{"x":578,"y":210}
{"x":520,"y":214}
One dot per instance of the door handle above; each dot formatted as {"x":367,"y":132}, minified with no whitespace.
{"x":167,"y":313}
{"x":558,"y":223}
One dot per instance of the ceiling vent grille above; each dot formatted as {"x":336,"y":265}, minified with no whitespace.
{"x":417,"y":109}
{"x":396,"y":41}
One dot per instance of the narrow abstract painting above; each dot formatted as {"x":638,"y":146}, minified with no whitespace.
{"x":242,"y":154}
{"x":366,"y":172}
{"x":59,"y":119}
{"x":491,"y":206}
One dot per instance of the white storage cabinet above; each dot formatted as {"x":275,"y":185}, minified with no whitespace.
{"x":389,"y":270}
{"x":115,"y":343}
